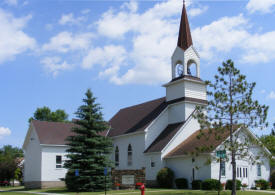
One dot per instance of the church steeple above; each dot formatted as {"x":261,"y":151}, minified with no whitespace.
{"x":185,"y":38}
{"x":185,"y":60}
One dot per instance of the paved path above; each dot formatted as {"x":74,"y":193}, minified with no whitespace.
{"x":266,"y":191}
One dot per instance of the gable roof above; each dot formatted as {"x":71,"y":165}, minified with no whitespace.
{"x":192,"y":144}
{"x":136,"y":118}
{"x":185,"y":38}
{"x":164,"y":138}
{"x":53,"y":133}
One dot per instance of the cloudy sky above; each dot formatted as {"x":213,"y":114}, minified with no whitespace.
{"x":52,"y":51}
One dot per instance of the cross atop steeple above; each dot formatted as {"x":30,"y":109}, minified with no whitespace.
{"x":185,"y":38}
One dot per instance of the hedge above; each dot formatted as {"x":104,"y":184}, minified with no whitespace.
{"x":196,"y":184}
{"x":165,"y":178}
{"x":228,"y":185}
{"x":211,"y":184}
{"x":181,"y":183}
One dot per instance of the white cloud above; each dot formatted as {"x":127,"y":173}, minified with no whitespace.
{"x":70,"y":19}
{"x":11,"y":2}
{"x":263,"y":91}
{"x":54,"y":65}
{"x":259,"y":48}
{"x":154,"y":40}
{"x":66,"y":41}
{"x":197,"y":11}
{"x":271,"y":95}
{"x":13,"y":40}
{"x":221,"y":35}
{"x":109,"y":55}
{"x":85,"y":11}
{"x":264,"y":6}
{"x":4,"y":132}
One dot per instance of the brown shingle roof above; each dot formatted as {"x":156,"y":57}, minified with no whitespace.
{"x":54,"y":133}
{"x":185,"y":38}
{"x":163,"y":139}
{"x":193,"y":144}
{"x":136,"y":118}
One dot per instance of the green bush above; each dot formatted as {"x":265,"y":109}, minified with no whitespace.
{"x":272,"y":180}
{"x":228,"y":184}
{"x":211,"y":184}
{"x":196,"y":184}
{"x":262,"y":183}
{"x":165,"y":178}
{"x":181,"y":183}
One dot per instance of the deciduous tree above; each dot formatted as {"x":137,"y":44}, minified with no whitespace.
{"x":231,"y":105}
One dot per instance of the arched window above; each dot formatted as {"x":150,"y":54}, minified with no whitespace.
{"x":117,"y":157}
{"x":130,"y":155}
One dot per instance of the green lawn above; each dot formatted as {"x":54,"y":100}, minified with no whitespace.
{"x":19,"y":191}
{"x":148,"y":192}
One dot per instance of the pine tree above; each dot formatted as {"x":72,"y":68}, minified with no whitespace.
{"x":230,"y":106}
{"x":88,"y":152}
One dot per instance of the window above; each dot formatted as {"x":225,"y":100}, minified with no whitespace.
{"x":117,"y":157}
{"x":130,"y":157}
{"x":259,"y":171}
{"x":193,"y":174}
{"x":58,"y":161}
{"x":222,"y":168}
{"x":238,"y":174}
{"x":152,"y":164}
{"x":246,"y":172}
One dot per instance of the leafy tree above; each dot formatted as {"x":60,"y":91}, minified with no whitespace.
{"x":9,"y":162}
{"x":45,"y":114}
{"x":269,"y":142}
{"x":89,"y":151}
{"x":231,"y":106}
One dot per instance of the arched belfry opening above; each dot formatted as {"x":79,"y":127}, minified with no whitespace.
{"x":192,"y":68}
{"x":179,"y":69}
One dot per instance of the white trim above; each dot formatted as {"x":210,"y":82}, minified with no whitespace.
{"x":54,"y":145}
{"x":182,"y":79}
{"x":150,"y":153}
{"x":128,"y":134}
{"x":181,"y":129}
{"x":154,"y":121}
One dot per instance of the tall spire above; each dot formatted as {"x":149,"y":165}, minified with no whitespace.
{"x":185,"y":38}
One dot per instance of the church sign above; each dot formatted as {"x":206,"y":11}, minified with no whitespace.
{"x":128,"y":179}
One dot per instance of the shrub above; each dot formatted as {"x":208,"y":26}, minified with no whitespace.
{"x":262,"y":183}
{"x":272,"y":180}
{"x":165,"y":178}
{"x":196,"y":184}
{"x":211,"y":184}
{"x":181,"y":183}
{"x":228,"y":185}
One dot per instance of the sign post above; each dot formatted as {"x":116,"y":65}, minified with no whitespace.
{"x":76,"y":173}
{"x":105,"y":173}
{"x":220,"y":154}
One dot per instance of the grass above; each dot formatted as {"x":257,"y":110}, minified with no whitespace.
{"x":20,"y":191}
{"x":148,"y":192}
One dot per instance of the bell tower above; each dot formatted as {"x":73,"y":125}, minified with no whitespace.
{"x":186,"y":89}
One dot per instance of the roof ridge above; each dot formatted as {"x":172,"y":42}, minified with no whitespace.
{"x":142,"y":103}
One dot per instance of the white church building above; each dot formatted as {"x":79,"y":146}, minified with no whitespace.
{"x":149,"y":136}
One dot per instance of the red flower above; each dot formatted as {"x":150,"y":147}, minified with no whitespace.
{"x":139,"y":184}
{"x":117,"y":184}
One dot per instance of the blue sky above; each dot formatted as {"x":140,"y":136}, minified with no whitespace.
{"x":51,"y":52}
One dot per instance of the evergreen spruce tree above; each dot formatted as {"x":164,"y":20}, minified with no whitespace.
{"x":89,"y":152}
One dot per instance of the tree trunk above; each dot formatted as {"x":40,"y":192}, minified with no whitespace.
{"x":233,"y":192}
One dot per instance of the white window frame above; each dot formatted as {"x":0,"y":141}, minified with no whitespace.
{"x":58,"y":165}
